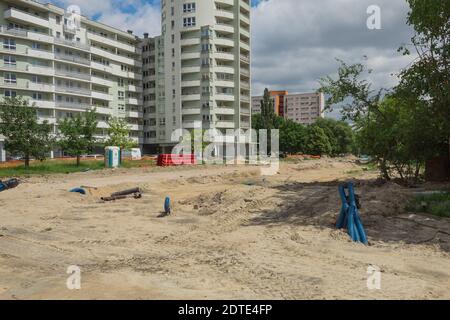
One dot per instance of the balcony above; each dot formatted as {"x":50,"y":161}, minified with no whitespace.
{"x":47,"y":87}
{"x":111,"y":42}
{"x":245,"y":111}
{"x":134,"y":114}
{"x":245,"y":58}
{"x":245,"y":124}
{"x":190,"y":97}
{"x":192,"y":124}
{"x":44,"y":104}
{"x":73,"y":74}
{"x":72,"y":105}
{"x":133,"y":88}
{"x":39,"y":70}
{"x":245,"y":72}
{"x":190,"y":111}
{"x":226,"y":42}
{"x":101,"y":67}
{"x":132,"y":101}
{"x":39,"y":53}
{"x":245,"y":98}
{"x":101,"y":96}
{"x":223,"y":13}
{"x":224,"y":56}
{"x":245,"y":85}
{"x":72,"y":58}
{"x":225,"y":124}
{"x":224,"y":111}
{"x":19,"y":16}
{"x":135,"y":127}
{"x":224,"y":27}
{"x":101,"y":81}
{"x":13,"y":31}
{"x":73,"y":44}
{"x":73,"y":90}
{"x":190,"y":41}
{"x":115,"y":57}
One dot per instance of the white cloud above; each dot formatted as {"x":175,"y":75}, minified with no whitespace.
{"x":137,"y":15}
{"x":295,"y":43}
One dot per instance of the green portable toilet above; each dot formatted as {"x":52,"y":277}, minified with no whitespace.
{"x":112,"y":157}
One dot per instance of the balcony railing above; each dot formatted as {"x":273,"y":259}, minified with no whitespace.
{"x":76,"y":90}
{"x":72,"y":105}
{"x":74,"y":44}
{"x":71,"y":74}
{"x":71,"y":58}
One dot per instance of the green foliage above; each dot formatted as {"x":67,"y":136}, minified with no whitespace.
{"x":25,"y":136}
{"x":339,"y":133}
{"x":56,"y":166}
{"x":317,"y":142}
{"x":77,"y":134}
{"x":437,"y":204}
{"x":119,"y":134}
{"x":292,"y":137}
{"x":428,"y":78}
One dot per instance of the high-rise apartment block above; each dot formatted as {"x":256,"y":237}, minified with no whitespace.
{"x":304,"y":108}
{"x":195,"y":75}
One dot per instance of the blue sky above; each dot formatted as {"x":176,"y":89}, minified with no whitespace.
{"x":294,"y":42}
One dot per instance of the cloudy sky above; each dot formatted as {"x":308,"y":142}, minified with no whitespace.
{"x":295,"y":42}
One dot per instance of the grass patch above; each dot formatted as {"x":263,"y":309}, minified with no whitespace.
{"x":58,"y":166}
{"x":437,"y":204}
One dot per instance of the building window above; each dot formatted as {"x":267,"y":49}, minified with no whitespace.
{"x":37,"y":96}
{"x":10,"y":78}
{"x":9,"y":44}
{"x":189,"y":22}
{"x":9,"y":60}
{"x":10,"y":94}
{"x":189,"y":7}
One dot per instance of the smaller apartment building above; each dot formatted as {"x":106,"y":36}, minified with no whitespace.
{"x":304,"y":108}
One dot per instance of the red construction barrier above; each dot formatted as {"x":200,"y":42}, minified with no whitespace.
{"x":169,"y":160}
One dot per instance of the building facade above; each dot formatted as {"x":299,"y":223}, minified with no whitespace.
{"x":304,"y":108}
{"x":195,"y":75}
{"x":207,"y":66}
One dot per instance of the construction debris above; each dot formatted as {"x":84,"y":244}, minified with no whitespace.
{"x":78,"y":190}
{"x":135,"y":193}
{"x":9,"y":184}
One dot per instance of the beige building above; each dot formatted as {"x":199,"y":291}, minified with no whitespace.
{"x":304,"y":108}
{"x":66,"y":64}
{"x":207,"y":66}
{"x":196,"y":74}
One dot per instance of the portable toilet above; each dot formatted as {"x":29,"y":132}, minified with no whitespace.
{"x":136,"y":154}
{"x":112,"y":157}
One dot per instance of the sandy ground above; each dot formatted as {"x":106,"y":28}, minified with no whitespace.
{"x":233,"y":235}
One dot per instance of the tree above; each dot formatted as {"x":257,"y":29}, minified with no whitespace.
{"x":77,"y":134}
{"x":292,"y":137}
{"x":25,"y":136}
{"x":339,"y":133}
{"x":316,"y":141}
{"x":428,"y":78}
{"x":119,"y":134}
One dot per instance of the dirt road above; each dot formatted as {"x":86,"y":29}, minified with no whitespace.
{"x":233,"y":234}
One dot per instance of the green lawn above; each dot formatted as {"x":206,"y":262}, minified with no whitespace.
{"x":58,"y":166}
{"x":437,"y":204}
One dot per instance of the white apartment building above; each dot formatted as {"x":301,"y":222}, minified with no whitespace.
{"x":64,"y":70}
{"x":207,"y":66}
{"x":195,"y":75}
{"x":304,"y":108}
